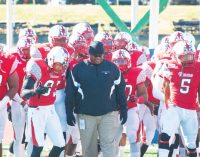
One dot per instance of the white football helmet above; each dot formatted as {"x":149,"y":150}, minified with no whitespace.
{"x":107,"y":41}
{"x":165,"y":39}
{"x":58,"y":55}
{"x":122,"y":39}
{"x":79,"y":43}
{"x":85,"y":30}
{"x":58,"y":36}
{"x":190,"y":38}
{"x":177,"y":36}
{"x":28,"y":33}
{"x":23,"y":46}
{"x":184,"y":53}
{"x":122,"y":59}
{"x":131,"y":47}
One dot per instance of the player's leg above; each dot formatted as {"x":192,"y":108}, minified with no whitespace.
{"x":149,"y":122}
{"x":174,"y":147}
{"x":18,"y":121}
{"x":189,"y":120}
{"x":61,"y":112}
{"x":38,"y":123}
{"x":169,"y":124}
{"x":73,"y":138}
{"x":54,"y":131}
{"x":132,"y":130}
{"x":3,"y":117}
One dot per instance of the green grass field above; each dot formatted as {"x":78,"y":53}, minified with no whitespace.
{"x":152,"y":151}
{"x":94,"y":13}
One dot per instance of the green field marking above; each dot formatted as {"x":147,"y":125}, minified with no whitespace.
{"x":121,"y":25}
{"x":145,"y":19}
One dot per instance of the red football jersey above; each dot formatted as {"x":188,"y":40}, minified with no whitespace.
{"x":43,"y":75}
{"x":184,"y":82}
{"x":8,"y":65}
{"x":21,"y":70}
{"x":133,"y":78}
{"x":137,"y":58}
{"x":44,"y":50}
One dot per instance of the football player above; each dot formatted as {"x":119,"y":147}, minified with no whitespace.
{"x":18,"y":105}
{"x":136,"y":93}
{"x":181,"y":85}
{"x":41,"y":80}
{"x":9,"y":83}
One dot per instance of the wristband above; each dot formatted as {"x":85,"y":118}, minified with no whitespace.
{"x":140,"y":100}
{"x":4,"y":102}
{"x":18,"y":98}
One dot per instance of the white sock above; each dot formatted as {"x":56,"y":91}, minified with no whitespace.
{"x":121,"y":152}
{"x":68,"y":156}
{"x":163,"y":152}
{"x":62,"y":153}
{"x":175,"y":152}
{"x":135,"y":149}
{"x":29,"y":148}
{"x":182,"y":152}
{"x":18,"y":148}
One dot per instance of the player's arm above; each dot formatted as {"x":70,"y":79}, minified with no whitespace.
{"x":28,"y":87}
{"x":166,"y":90}
{"x":13,"y":85}
{"x":142,"y":92}
{"x":143,"y":97}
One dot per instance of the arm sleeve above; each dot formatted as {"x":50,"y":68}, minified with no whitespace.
{"x":121,"y":94}
{"x":70,"y":91}
{"x":28,"y":87}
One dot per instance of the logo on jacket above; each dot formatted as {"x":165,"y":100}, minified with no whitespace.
{"x":105,"y":72}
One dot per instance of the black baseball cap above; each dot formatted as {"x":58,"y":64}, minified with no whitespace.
{"x":96,"y":48}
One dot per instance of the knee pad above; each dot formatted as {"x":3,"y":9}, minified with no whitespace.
{"x":11,"y":148}
{"x":164,"y":137}
{"x":176,"y":142}
{"x":36,"y":151}
{"x":191,"y":152}
{"x":164,"y":141}
{"x":55,"y":151}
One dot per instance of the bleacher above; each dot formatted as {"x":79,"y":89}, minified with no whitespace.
{"x":192,"y":26}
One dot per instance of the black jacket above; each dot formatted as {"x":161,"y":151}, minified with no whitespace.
{"x":95,"y":89}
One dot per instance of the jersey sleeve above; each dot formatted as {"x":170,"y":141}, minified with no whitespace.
{"x":33,"y":69}
{"x":165,"y":71}
{"x":14,"y":66}
{"x":148,"y":70}
{"x":141,"y":77}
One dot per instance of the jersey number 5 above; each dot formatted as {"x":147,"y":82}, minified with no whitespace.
{"x":184,"y":89}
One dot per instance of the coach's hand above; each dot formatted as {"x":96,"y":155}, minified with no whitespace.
{"x":123,"y":116}
{"x":71,"y":120}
